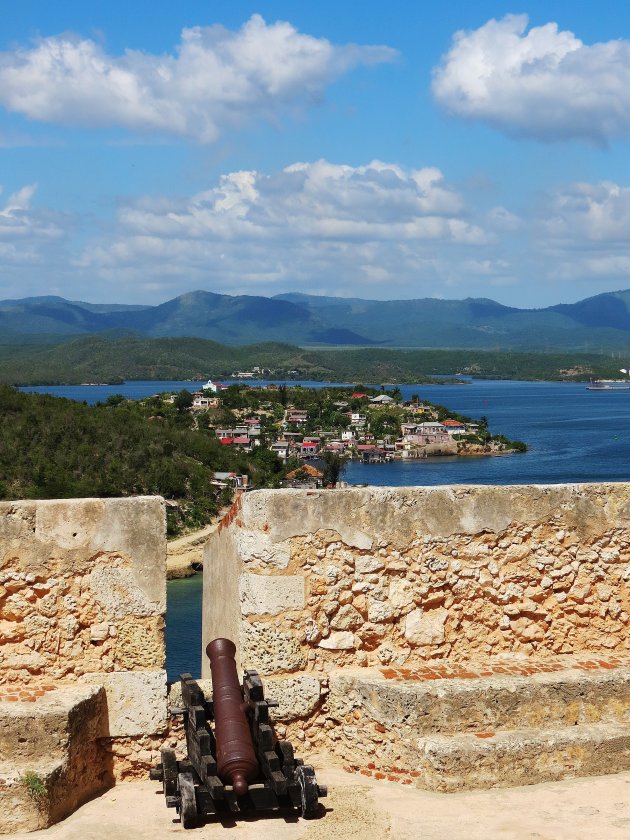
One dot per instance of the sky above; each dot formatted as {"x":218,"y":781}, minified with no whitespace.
{"x":383,"y":151}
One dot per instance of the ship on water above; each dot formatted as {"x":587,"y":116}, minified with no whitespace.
{"x":610,"y":384}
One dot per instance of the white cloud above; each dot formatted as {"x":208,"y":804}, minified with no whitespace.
{"x":542,"y":83}
{"x":588,"y":216}
{"x":317,"y":226}
{"x":216,"y":77}
{"x":32,"y":242}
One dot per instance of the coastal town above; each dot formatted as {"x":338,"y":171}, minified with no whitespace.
{"x":310,"y":429}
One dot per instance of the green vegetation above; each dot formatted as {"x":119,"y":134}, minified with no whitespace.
{"x":35,"y":786}
{"x":105,"y":359}
{"x":56,"y":448}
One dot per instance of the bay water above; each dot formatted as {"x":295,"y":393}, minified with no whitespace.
{"x":573,"y":435}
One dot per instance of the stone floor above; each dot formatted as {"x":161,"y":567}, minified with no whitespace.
{"x":357,"y":807}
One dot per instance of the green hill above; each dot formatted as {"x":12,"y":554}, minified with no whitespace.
{"x":596,"y":324}
{"x":56,"y":448}
{"x":106,"y":358}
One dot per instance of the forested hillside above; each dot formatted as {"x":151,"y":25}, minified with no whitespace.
{"x":108,"y":359}
{"x":55,"y":448}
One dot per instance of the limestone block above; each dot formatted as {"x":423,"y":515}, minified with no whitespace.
{"x":339,"y":640}
{"x":366,"y":565}
{"x":297,"y":696}
{"x":118,"y":593}
{"x":260,"y":594}
{"x":425,"y":628}
{"x":379,"y":611}
{"x":401,"y":593}
{"x":139,"y":644}
{"x":136,"y":701}
{"x":347,"y":618}
{"x":99,"y":632}
{"x":256,"y":547}
{"x":269,"y":650}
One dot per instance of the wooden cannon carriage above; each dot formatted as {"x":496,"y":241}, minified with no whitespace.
{"x":236,"y":764}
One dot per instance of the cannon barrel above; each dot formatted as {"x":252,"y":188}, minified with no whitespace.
{"x":236,"y":759}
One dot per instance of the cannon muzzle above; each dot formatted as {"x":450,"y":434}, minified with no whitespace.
{"x":236,"y":759}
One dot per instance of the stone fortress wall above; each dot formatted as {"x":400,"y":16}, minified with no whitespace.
{"x":368,"y":610}
{"x":82,"y":685}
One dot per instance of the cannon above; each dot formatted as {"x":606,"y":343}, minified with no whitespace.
{"x":235,"y":764}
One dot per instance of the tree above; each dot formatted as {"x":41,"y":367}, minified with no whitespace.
{"x":334,"y":465}
{"x":183,"y":401}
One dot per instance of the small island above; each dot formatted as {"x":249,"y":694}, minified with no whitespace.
{"x":300,"y":424}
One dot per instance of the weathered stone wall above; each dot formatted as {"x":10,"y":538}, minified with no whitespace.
{"x":309,"y":582}
{"x":82,"y":601}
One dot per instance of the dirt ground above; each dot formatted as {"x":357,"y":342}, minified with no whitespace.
{"x":184,"y":551}
{"x":356,"y":808}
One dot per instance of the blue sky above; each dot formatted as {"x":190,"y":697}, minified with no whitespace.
{"x":429,"y":150}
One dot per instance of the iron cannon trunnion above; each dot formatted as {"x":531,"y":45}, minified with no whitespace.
{"x":235,"y":768}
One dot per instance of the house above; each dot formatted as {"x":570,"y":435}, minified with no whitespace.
{"x":224,"y":433}
{"x":243,"y":442}
{"x":431,"y":427}
{"x":358,"y":396}
{"x":382,"y":399}
{"x":305,"y":476}
{"x":454,"y":427}
{"x":253,"y":427}
{"x":213,"y":386}
{"x":357,"y":419}
{"x":281,"y":449}
{"x":309,"y":448}
{"x":371,"y":454}
{"x":225,"y":479}
{"x":296,"y":416}
{"x":200,"y":402}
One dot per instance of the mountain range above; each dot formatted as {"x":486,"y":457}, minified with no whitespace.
{"x":596,"y":324}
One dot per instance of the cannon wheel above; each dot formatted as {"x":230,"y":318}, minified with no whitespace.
{"x":169,"y":772}
{"x":187,"y":801}
{"x":305,"y":776}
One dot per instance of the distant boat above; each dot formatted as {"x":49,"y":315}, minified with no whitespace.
{"x":608,"y":385}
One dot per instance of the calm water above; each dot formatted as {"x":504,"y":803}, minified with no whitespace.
{"x":574,"y":435}
{"x":183,"y":627}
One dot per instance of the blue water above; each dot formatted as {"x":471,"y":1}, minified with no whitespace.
{"x":573,"y":435}
{"x":183,"y":627}
{"x":139,"y":389}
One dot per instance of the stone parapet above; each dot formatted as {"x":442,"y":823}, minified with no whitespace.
{"x":82,"y":604}
{"x":382,"y":576}
{"x":312,"y":584}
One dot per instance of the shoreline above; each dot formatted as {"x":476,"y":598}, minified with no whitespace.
{"x":184,"y":553}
